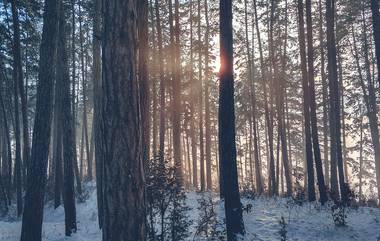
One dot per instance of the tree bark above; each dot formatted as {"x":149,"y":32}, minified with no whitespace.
{"x":34,"y":197}
{"x":227,"y":145}
{"x":123,"y":177}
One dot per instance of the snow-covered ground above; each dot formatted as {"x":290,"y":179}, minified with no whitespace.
{"x":309,"y":222}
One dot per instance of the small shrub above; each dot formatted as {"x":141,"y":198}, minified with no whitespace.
{"x":283,"y":231}
{"x":338,"y":214}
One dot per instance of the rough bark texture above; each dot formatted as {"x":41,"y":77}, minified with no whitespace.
{"x":123,"y":172}
{"x":227,"y":145}
{"x":35,"y":190}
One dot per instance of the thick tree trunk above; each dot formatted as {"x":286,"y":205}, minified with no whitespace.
{"x":227,"y":145}
{"x":124,"y":195}
{"x":34,"y":197}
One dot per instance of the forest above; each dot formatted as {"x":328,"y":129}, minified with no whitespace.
{"x":134,"y":120}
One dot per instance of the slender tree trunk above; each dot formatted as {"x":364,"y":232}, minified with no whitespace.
{"x":200,"y":104}
{"x":371,"y":105}
{"x":34,"y":197}
{"x":376,"y":34}
{"x":227,"y":145}
{"x":313,"y":106}
{"x":154,"y":71}
{"x":7,"y":157}
{"x":335,"y":126}
{"x":207,"y":102}
{"x":192,"y":108}
{"x":122,"y":126}
{"x":84,"y":95}
{"x":269,"y":130}
{"x":58,"y":132}
{"x":66,"y":119}
{"x":143,"y":76}
{"x":177,"y":98}
{"x":73,"y":96}
{"x":17,"y":79}
{"x":162,"y":83}
{"x":306,"y":104}
{"x":324,"y":97}
{"x":98,"y":131}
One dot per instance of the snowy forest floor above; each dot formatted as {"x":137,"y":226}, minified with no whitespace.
{"x":309,"y":222}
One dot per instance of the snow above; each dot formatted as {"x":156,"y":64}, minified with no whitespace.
{"x":309,"y":222}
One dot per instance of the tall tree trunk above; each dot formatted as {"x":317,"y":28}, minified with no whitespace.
{"x":162,"y":83}
{"x":227,"y":145}
{"x":192,"y":108}
{"x":66,"y":119}
{"x":122,"y":126}
{"x":324,"y":97}
{"x":306,"y":104}
{"x":207,"y":102}
{"x":313,"y":106}
{"x":84,"y":95}
{"x":281,"y":113}
{"x":57,"y":132}
{"x":177,"y":98}
{"x":17,"y":78}
{"x":256,"y":146}
{"x":143,"y":76}
{"x":269,"y":130}
{"x":98,"y":132}
{"x":154,"y":71}
{"x":7,"y":151}
{"x":35,"y":190}
{"x":376,"y":33}
{"x":335,"y":126}
{"x":73,"y":95}
{"x":200,"y":104}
